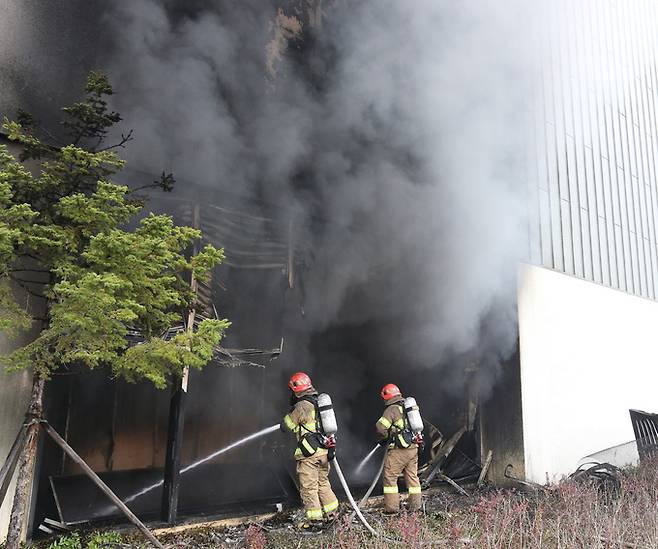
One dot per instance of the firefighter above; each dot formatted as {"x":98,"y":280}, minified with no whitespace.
{"x":312,"y":454}
{"x":394,"y":431}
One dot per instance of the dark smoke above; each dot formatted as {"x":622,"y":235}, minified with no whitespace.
{"x":392,"y":132}
{"x":400,"y":128}
{"x":46,"y":48}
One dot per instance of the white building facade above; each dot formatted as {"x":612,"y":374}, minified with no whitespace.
{"x":588,"y":310}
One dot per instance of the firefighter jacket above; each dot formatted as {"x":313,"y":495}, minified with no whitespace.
{"x":302,"y":421}
{"x":392,"y":426}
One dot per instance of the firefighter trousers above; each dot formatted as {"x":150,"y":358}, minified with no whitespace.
{"x":399,"y":460}
{"x":314,"y":486}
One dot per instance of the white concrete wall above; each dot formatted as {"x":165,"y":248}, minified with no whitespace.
{"x":588,"y":354}
{"x":14,"y":397}
{"x":15,"y":388}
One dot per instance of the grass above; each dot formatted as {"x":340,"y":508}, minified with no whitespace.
{"x":568,"y":515}
{"x":565,"y":516}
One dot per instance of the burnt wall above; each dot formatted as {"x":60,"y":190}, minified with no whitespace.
{"x":501,"y":423}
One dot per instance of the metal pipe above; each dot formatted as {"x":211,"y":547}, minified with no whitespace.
{"x":510,"y":476}
{"x":98,"y":482}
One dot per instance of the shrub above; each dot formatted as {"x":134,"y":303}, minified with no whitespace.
{"x":67,"y":542}
{"x":410,"y":528}
{"x":103,"y":540}
{"x":255,"y":537}
{"x":345,"y":535}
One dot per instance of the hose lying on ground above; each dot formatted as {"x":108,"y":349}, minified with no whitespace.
{"x":351,"y":499}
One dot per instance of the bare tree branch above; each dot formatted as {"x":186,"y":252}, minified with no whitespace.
{"x":149,"y":186}
{"x":125,"y":138}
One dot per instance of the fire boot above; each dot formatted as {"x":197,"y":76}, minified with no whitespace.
{"x":391,"y":500}
{"x":310,"y":525}
{"x":415,"y":501}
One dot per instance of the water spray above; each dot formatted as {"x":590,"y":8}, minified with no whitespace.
{"x":366,"y":459}
{"x":326,"y":407}
{"x":209,"y":457}
{"x":365,"y":497}
{"x":373,"y":483}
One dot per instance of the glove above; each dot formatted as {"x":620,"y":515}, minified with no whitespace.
{"x":383,"y":442}
{"x":282,"y":427}
{"x":329,"y":442}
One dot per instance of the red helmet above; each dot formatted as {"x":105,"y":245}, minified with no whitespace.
{"x":389,"y":391}
{"x":299,"y":382}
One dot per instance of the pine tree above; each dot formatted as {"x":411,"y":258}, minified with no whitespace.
{"x":69,"y":240}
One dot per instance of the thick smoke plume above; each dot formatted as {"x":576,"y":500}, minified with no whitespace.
{"x":402,"y":130}
{"x":393,"y":133}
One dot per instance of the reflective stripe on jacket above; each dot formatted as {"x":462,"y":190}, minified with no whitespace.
{"x":392,"y":422}
{"x":302,"y":421}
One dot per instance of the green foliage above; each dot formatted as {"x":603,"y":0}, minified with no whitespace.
{"x":103,"y":540}
{"x":67,"y":542}
{"x":91,"y":118}
{"x":97,"y":540}
{"x":154,"y":359}
{"x":65,"y":239}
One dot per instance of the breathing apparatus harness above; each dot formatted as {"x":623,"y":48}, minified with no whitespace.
{"x":310,"y":441}
{"x":403,"y":437}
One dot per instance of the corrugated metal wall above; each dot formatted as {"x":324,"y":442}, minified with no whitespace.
{"x":594,"y":195}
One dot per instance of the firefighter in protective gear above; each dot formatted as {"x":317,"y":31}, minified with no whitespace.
{"x":312,"y":458}
{"x":402,"y":453}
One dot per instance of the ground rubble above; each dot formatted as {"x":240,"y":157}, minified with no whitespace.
{"x":599,"y":508}
{"x":280,"y":529}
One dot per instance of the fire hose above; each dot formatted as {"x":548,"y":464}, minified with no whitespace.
{"x":363,"y":520}
{"x":372,"y":486}
{"x":374,"y":482}
{"x":357,"y":509}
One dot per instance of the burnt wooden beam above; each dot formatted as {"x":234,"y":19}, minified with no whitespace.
{"x":171,"y":486}
{"x":25,"y":478}
{"x":452,"y":483}
{"x":485,"y":468}
{"x":446,"y":449}
{"x":98,"y":482}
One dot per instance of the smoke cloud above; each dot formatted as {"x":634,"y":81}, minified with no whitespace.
{"x":45,"y":50}
{"x":401,"y":130}
{"x":392,"y":133}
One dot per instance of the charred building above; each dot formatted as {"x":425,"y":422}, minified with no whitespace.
{"x":459,"y":199}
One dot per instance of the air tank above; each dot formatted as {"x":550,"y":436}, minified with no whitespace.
{"x":413,"y":415}
{"x":327,"y":416}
